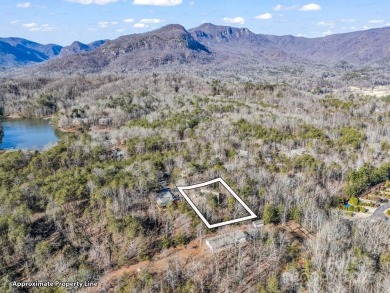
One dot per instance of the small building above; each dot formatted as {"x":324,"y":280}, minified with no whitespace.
{"x":104,"y":121}
{"x":166,"y":198}
{"x":258,"y":223}
{"x":225,"y":240}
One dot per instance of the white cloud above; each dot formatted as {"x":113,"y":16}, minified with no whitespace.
{"x":145,"y":22}
{"x":192,"y":3}
{"x":30,"y":25}
{"x":120,"y":30}
{"x":45,"y":28}
{"x":347,"y":20}
{"x":140,"y":25}
{"x":388,"y":24}
{"x":310,"y":7}
{"x":151,"y":20}
{"x":34,"y":27}
{"x":23,"y":5}
{"x":280,"y":7}
{"x":327,"y":33}
{"x":103,"y":24}
{"x":264,"y":16}
{"x":376,"y":21}
{"x":14,"y":21}
{"x":128,"y":20}
{"x":98,"y":2}
{"x":158,"y":2}
{"x":330,"y":24}
{"x":236,"y":20}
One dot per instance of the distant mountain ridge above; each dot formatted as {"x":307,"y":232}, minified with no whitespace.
{"x":19,"y":52}
{"x":357,"y":47}
{"x":78,"y":47}
{"x":206,"y":44}
{"x":167,"y":45}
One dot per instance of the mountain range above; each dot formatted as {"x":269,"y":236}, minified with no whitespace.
{"x":19,"y":52}
{"x":206,"y":44}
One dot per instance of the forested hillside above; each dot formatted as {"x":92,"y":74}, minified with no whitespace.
{"x":87,"y":206}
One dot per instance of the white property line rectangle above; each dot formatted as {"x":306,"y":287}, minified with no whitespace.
{"x":220,"y":180}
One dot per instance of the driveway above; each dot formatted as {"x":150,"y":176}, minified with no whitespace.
{"x":379,"y":213}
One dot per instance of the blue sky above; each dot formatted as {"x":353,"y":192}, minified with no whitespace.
{"x":63,"y":21}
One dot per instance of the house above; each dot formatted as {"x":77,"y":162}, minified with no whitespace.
{"x":104,"y":121}
{"x":225,"y":240}
{"x":166,"y":198}
{"x":258,"y":223}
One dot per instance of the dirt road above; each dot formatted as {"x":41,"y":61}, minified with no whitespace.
{"x":183,"y":254}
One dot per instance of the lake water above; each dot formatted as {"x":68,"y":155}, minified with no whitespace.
{"x":31,"y":134}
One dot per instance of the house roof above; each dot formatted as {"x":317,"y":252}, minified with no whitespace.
{"x":165,"y":198}
{"x":223,"y":240}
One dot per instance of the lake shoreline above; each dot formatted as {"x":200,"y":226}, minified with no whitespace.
{"x":17,"y":116}
{"x":31,"y":134}
{"x":61,"y":129}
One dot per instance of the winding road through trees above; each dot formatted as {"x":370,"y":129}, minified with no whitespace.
{"x":379,"y":213}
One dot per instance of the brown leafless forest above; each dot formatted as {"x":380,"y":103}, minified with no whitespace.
{"x":285,"y":139}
